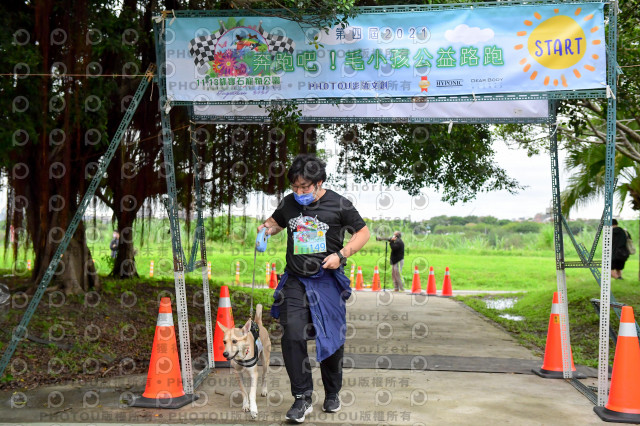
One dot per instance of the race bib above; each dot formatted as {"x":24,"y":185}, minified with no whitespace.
{"x":307,"y":242}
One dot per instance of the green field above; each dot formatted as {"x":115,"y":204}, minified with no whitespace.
{"x":480,"y":257}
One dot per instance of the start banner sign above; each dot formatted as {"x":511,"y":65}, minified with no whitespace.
{"x":451,"y":51}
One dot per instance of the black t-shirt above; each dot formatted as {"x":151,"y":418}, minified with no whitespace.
{"x":319,"y":229}
{"x":397,"y":250}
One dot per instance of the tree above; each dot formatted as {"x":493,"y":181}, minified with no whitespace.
{"x":588,"y":180}
{"x":50,"y":132}
{"x":413,"y":156}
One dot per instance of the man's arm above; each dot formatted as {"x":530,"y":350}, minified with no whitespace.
{"x":357,"y":241}
{"x":272,"y":226}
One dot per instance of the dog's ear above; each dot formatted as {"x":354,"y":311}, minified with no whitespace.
{"x":247,"y":327}
{"x":222,"y":327}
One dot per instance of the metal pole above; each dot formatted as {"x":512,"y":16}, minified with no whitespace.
{"x":386,"y":246}
{"x":605,"y":279}
{"x":172,"y":209}
{"x":561,"y":278}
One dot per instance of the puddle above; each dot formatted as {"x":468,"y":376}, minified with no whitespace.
{"x":501,"y":304}
{"x":511,"y":317}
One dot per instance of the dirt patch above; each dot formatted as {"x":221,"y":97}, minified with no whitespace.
{"x":98,"y":335}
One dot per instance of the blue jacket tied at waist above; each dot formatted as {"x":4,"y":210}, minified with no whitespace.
{"x":327,"y":292}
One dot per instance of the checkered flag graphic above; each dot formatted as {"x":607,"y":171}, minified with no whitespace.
{"x":203,"y":48}
{"x":277,"y":43}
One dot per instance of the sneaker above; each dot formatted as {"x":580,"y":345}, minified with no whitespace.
{"x":331,"y":403}
{"x":300,"y":408}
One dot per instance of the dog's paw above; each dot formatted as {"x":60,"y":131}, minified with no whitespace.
{"x":264,"y":392}
{"x":245,"y":407}
{"x":254,"y":414}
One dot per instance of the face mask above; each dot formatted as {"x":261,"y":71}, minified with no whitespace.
{"x":305,"y":199}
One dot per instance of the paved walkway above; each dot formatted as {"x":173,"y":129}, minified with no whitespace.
{"x":410,"y":360}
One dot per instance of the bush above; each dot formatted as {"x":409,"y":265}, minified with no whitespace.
{"x":523,"y":227}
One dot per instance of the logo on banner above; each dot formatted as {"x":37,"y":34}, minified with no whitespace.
{"x":559,"y":47}
{"x":449,"y":83}
{"x":424,"y":83}
{"x":239,"y":51}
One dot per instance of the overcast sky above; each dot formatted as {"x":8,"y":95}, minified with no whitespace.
{"x":532,"y":172}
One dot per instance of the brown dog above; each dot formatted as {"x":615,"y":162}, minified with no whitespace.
{"x":240,"y":347}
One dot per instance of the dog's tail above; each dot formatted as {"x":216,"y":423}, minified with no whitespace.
{"x":258,"y":319}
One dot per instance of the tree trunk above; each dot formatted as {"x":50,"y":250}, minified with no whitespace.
{"x":125,"y":262}
{"x":76,"y":272}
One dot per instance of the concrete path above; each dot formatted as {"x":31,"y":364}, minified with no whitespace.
{"x":410,"y":360}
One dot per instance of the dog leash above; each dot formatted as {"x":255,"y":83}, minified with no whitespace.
{"x":261,"y":246}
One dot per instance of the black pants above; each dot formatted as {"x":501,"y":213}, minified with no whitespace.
{"x":295,"y":318}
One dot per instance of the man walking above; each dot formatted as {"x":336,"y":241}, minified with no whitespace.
{"x":397,"y":260}
{"x":310,"y":297}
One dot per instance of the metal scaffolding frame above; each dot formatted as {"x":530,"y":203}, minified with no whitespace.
{"x":180,"y":265}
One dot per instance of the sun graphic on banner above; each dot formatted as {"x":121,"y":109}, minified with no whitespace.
{"x":562,"y":45}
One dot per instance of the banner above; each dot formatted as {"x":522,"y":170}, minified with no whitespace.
{"x":471,"y":112}
{"x":482,"y":50}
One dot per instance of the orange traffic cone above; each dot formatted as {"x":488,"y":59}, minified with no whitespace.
{"x":375,"y":284}
{"x":351,"y":279}
{"x":164,"y":381}
{"x":273,"y":281}
{"x":431,"y":283}
{"x":359,"y":279}
{"x":446,"y":285}
{"x":224,"y":317}
{"x":552,"y":363}
{"x":416,"y":286}
{"x":267,"y":271}
{"x":623,"y":405}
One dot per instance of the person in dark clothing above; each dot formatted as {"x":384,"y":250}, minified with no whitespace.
{"x":619,"y":251}
{"x":114,"y":244}
{"x":397,"y":260}
{"x":310,"y":297}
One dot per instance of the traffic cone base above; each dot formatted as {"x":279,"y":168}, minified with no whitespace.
{"x":616,"y":417}
{"x":178,"y":402}
{"x":548,"y":374}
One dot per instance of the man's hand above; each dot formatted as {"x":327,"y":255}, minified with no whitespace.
{"x":271,"y":225}
{"x":331,"y":262}
{"x":262,"y":226}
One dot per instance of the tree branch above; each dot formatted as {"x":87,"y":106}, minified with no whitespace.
{"x":104,"y":199}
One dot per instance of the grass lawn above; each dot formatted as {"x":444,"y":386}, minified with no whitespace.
{"x":529,"y":270}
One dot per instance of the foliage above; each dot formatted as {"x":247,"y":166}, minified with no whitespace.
{"x":321,"y":14}
{"x":458,"y":163}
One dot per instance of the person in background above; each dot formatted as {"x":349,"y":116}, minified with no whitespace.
{"x":619,"y":251}
{"x":114,"y":244}
{"x":397,"y":260}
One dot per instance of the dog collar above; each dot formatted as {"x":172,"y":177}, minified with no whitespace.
{"x":256,"y":351}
